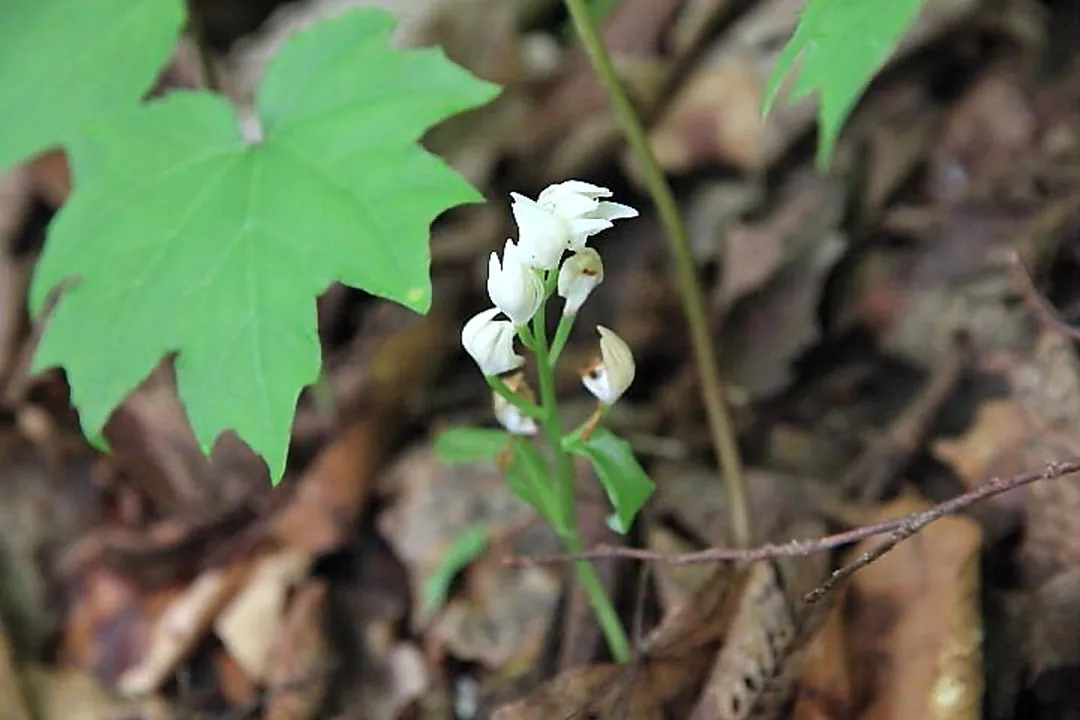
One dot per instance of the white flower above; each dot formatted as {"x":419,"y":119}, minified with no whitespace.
{"x":579,"y":275}
{"x":490,"y":342}
{"x":542,"y":236}
{"x":579,"y":203}
{"x":563,"y":217}
{"x":609,"y":378}
{"x":512,"y":285}
{"x":510,"y":417}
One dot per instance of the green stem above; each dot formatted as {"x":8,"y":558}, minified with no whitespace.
{"x":720,"y":425}
{"x":566,"y":513}
{"x":562,"y":333}
{"x":497,"y":384}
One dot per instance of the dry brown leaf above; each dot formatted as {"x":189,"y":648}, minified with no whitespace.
{"x":676,"y":585}
{"x":246,"y":624}
{"x":333,"y":491}
{"x":72,"y":695}
{"x":40,"y":514}
{"x":570,"y":126}
{"x":915,"y":625}
{"x":825,"y":690}
{"x":1047,"y":383}
{"x":1000,"y":432}
{"x":180,"y":627}
{"x":894,"y":134}
{"x":768,"y":330}
{"x":671,"y":662}
{"x":10,"y":685}
{"x":996,"y":445}
{"x":503,"y":619}
{"x":917,"y":299}
{"x":691,"y":493}
{"x":302,"y":658}
{"x":153,"y":443}
{"x":433,"y":504}
{"x":757,"y":670}
{"x":984,"y":134}
{"x":237,"y":688}
{"x":714,"y":118}
{"x":392,"y":675}
{"x":1051,"y":625}
{"x":107,"y":627}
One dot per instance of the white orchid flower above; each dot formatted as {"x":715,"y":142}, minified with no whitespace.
{"x":562,"y":218}
{"x":579,"y":203}
{"x":579,"y":275}
{"x":609,"y":378}
{"x":490,"y":342}
{"x":512,"y":285}
{"x":509,"y":416}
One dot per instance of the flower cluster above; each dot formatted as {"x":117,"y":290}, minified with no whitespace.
{"x":550,"y":256}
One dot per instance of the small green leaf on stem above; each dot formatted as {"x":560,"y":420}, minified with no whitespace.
{"x":841,"y":44}
{"x":466,"y":547}
{"x":460,"y":445}
{"x":529,"y":478}
{"x":624,"y":480}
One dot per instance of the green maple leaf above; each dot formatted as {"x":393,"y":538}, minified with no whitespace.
{"x":182,"y":237}
{"x":67,"y":62}
{"x":841,"y":44}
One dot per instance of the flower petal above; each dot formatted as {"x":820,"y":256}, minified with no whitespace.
{"x":613,"y":211}
{"x":542,"y":236}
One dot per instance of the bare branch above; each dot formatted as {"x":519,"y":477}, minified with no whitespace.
{"x":899,"y":529}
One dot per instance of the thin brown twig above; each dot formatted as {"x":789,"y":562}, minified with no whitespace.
{"x":901,"y":528}
{"x":1042,"y":309}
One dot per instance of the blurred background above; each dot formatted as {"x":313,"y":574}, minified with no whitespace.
{"x":882,"y":346}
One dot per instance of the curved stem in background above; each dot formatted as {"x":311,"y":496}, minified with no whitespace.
{"x":693,"y":302}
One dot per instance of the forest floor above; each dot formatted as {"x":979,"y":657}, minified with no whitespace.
{"x":893,"y":332}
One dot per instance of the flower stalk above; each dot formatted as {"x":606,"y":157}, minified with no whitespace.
{"x":555,"y":226}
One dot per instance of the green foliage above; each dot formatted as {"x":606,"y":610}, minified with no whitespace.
{"x":67,"y":62}
{"x":840,"y":44}
{"x":529,"y":477}
{"x":625,"y":481}
{"x":466,"y":547}
{"x":459,"y":445}
{"x":183,"y":237}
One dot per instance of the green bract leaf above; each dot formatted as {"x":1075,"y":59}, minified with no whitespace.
{"x":841,"y":44}
{"x":529,"y":478}
{"x":67,"y":62}
{"x":183,"y":237}
{"x":467,"y":444}
{"x":466,"y":547}
{"x":625,"y":482}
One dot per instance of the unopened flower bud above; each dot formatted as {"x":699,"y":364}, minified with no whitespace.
{"x":579,"y":275}
{"x":609,"y":378}
{"x":512,"y":285}
{"x":509,"y":416}
{"x":490,"y":342}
